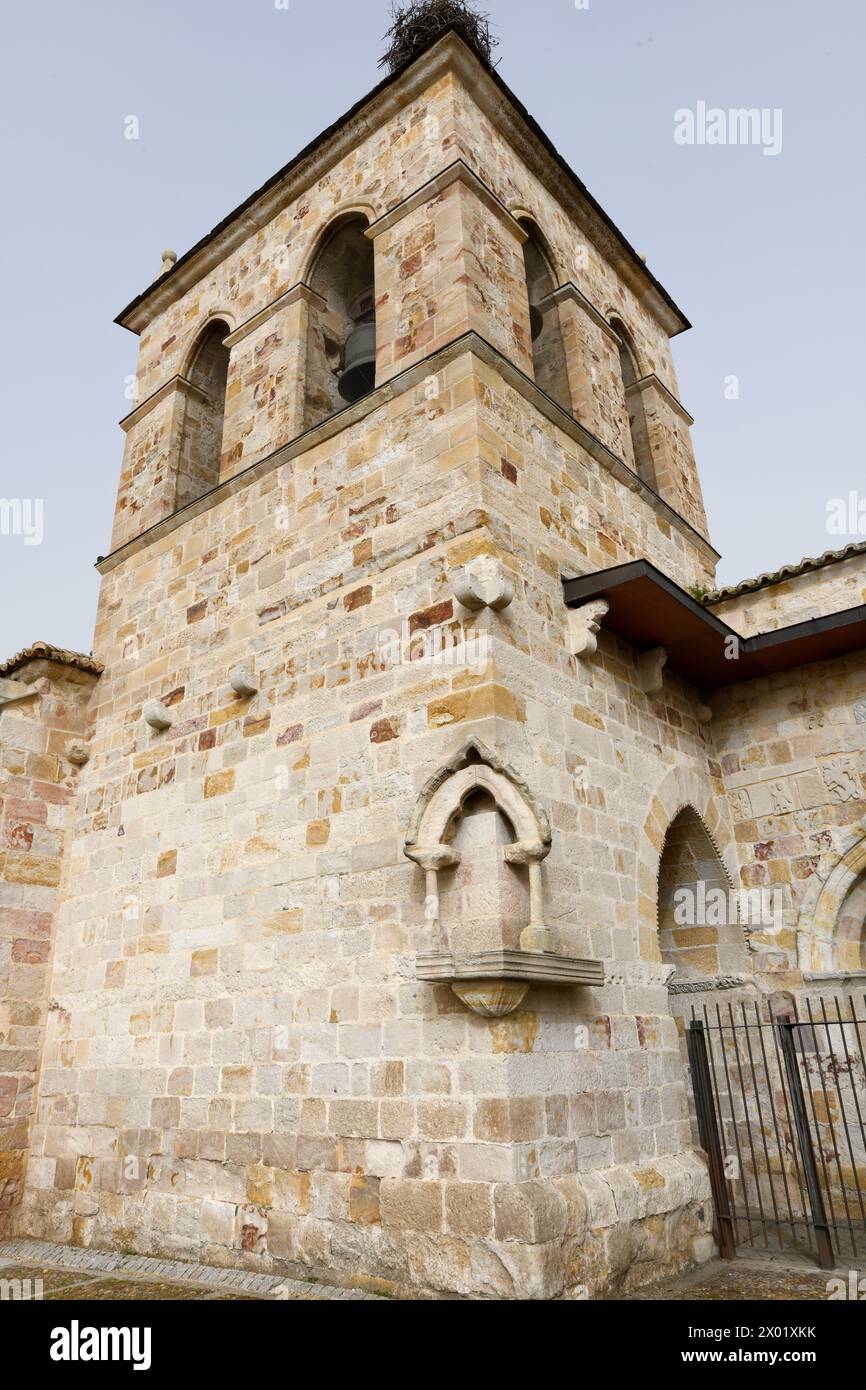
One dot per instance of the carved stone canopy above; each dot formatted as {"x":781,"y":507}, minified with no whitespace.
{"x":475,"y":768}
{"x":490,"y":983}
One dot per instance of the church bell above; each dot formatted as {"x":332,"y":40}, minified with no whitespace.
{"x":359,"y":355}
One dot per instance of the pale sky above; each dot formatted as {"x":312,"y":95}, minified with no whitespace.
{"x":763,"y":253}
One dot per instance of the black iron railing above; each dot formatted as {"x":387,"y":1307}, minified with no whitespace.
{"x":780,"y":1106}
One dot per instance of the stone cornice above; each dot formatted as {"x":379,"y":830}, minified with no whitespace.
{"x":569,"y":291}
{"x":458,"y":172}
{"x":390,"y":390}
{"x":448,"y":55}
{"x":176,"y":383}
{"x":284,"y":301}
{"x":653,"y":383}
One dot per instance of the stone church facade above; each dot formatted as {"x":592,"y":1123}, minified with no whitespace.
{"x":337,"y":916}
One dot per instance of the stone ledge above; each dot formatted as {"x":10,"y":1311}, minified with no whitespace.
{"x":440,"y":967}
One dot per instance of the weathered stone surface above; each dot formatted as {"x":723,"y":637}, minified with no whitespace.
{"x":208,"y":935}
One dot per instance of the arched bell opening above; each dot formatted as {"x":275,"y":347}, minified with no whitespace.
{"x":204,"y":416}
{"x":638,"y":427}
{"x":548,"y":346}
{"x":341,"y":339}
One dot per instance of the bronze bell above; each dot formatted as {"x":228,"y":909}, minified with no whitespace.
{"x":536,"y":322}
{"x":359,"y":363}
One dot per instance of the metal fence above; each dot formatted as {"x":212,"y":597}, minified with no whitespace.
{"x":780,"y":1106}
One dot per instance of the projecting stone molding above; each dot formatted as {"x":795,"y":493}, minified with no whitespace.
{"x":495,"y":983}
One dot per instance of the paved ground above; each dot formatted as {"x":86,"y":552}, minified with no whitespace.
{"x":771,"y":1280}
{"x":68,"y":1273}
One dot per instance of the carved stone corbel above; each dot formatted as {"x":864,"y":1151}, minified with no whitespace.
{"x":651,"y":667}
{"x":483,"y":584}
{"x":244,"y":682}
{"x":157,"y":716}
{"x":78,"y":753}
{"x":583,"y":627}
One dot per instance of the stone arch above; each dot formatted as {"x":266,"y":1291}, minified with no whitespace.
{"x":363,"y":211}
{"x":341,"y":325}
{"x":829,"y":934}
{"x":430,"y":839}
{"x":549,"y":360}
{"x":201,"y":430}
{"x":225,"y":318}
{"x":680,"y":790}
{"x":632,"y":372}
{"x":700,"y":933}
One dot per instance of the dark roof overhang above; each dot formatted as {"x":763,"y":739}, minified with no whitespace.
{"x":649,"y":610}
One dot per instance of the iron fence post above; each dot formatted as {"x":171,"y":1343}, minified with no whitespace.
{"x":708,"y":1130}
{"x":826,"y":1258}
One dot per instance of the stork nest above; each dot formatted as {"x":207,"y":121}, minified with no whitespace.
{"x":416,"y":25}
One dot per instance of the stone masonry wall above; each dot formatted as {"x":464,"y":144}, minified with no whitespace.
{"x":37,"y":788}
{"x":243,"y":1067}
{"x":792,"y":750}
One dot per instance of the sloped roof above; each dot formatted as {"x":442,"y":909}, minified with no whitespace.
{"x":764,"y":581}
{"x":44,"y":651}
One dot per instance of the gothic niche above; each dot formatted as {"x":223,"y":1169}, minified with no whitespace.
{"x":341,"y":341}
{"x":203,"y":418}
{"x":700,"y":931}
{"x":481,"y":838}
{"x":548,"y":347}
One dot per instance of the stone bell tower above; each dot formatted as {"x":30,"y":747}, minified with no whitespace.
{"x":354,"y":964}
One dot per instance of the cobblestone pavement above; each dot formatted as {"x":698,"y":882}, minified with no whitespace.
{"x":741,"y":1280}
{"x":69,"y":1273}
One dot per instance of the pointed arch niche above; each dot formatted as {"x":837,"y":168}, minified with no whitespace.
{"x":699,"y":932}
{"x":481,"y":838}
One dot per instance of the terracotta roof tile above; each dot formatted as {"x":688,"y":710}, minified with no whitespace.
{"x":43,"y":651}
{"x":763,"y":581}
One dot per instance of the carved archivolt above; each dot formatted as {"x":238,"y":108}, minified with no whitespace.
{"x":818,"y":923}
{"x":428,"y":840}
